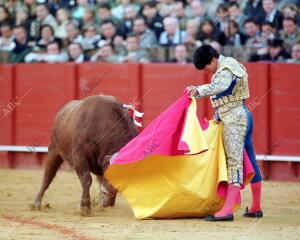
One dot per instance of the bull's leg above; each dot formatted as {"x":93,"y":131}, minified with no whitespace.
{"x":108,"y":193}
{"x":83,"y":172}
{"x":53,"y":163}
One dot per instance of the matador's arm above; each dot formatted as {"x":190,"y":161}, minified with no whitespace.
{"x":219,"y":83}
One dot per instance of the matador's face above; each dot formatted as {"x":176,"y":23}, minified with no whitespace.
{"x":212,"y":67}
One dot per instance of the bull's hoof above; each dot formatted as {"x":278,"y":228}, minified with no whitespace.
{"x":35,"y":207}
{"x":107,"y":202}
{"x":85,"y":212}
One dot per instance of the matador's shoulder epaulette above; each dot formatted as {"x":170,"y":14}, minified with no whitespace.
{"x":233,"y":66}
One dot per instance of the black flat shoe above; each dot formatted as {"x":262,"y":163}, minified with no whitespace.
{"x":257,"y":214}
{"x":212,"y":218}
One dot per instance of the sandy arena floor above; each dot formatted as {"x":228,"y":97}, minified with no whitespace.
{"x":61,"y":220}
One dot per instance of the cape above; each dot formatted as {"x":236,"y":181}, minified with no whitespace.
{"x":176,"y":167}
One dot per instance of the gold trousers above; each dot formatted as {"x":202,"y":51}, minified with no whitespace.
{"x":234,"y":118}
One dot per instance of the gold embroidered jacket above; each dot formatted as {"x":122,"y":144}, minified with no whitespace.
{"x":229,"y":83}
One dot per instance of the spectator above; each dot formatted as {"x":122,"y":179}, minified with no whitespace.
{"x":254,"y":9}
{"x":172,"y":35}
{"x":254,"y":39}
{"x":223,"y":16}
{"x":73,"y":33}
{"x":62,"y":16}
{"x":43,"y":17}
{"x":22,"y":18}
{"x":91,"y":38}
{"x":119,"y":10}
{"x":271,"y":14}
{"x":52,"y":55}
{"x":129,"y":15}
{"x":291,"y":11}
{"x":108,"y":32}
{"x":47,"y":36}
{"x":206,"y":32}
{"x":30,"y":6}
{"x":76,"y":54}
{"x":198,"y":11}
{"x":153,"y":19}
{"x":276,"y":52}
{"x":181,"y":55}
{"x":106,"y":54}
{"x":236,"y":14}
{"x":216,"y":45}
{"x":211,"y":7}
{"x":178,"y":12}
{"x":165,"y":7}
{"x":295,"y":54}
{"x":22,"y":45}
{"x":104,"y":14}
{"x":4,"y":15}
{"x":147,"y":37}
{"x":78,"y":11}
{"x":134,"y":52}
{"x":191,"y":33}
{"x":290,"y":32}
{"x":231,"y":35}
{"x":88,"y":17}
{"x":268,"y":31}
{"x":6,"y":40}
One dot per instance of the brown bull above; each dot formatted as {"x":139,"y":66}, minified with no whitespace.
{"x":85,"y":133}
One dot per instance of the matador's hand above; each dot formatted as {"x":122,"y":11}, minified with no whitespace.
{"x":192,"y":91}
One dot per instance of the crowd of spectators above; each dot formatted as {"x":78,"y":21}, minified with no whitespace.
{"x":121,"y":31}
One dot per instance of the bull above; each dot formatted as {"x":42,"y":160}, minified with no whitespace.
{"x":85,"y":134}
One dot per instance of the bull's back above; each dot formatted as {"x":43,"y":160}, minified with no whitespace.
{"x":94,"y":126}
{"x":63,"y":127}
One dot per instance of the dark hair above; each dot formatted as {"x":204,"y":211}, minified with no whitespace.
{"x":234,"y":24}
{"x":234,"y":4}
{"x":275,"y":42}
{"x":250,"y":20}
{"x":133,"y":35}
{"x":108,"y":21}
{"x":43,"y":4}
{"x":104,"y":5}
{"x":209,"y":21}
{"x":291,"y":19}
{"x":20,"y":26}
{"x":47,"y":26}
{"x":74,"y":23}
{"x":55,"y":42}
{"x":140,"y":18}
{"x":272,"y":25}
{"x":150,"y":4}
{"x":109,"y":45}
{"x":5,"y":9}
{"x":223,"y":7}
{"x":6,"y":24}
{"x":204,"y":55}
{"x":76,"y":43}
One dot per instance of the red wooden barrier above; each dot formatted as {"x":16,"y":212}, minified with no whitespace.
{"x":121,"y":81}
{"x":258,"y":104}
{"x":285,"y":109}
{"x":42,"y":89}
{"x":7,"y":106}
{"x":285,"y":119}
